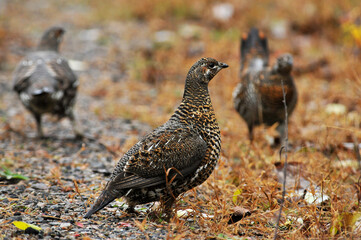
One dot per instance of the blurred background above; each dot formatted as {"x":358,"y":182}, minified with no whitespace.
{"x":132,"y":58}
{"x":134,"y":55}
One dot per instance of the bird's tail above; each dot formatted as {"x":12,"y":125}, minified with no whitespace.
{"x":42,"y":91}
{"x":255,"y":45}
{"x":104,"y":199}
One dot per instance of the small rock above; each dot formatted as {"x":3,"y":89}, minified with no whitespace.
{"x":164,"y":36}
{"x":279,"y":29}
{"x":65,"y":160}
{"x":189,"y":31}
{"x":350,"y":145}
{"x":78,"y":65}
{"x":195,"y":48}
{"x":336,"y":109}
{"x":238,"y":214}
{"x":65,"y":225}
{"x":40,"y":186}
{"x":90,"y":35}
{"x":223,"y":11}
{"x":41,"y":204}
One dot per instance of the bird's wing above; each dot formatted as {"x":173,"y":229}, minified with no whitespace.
{"x":22,"y":74}
{"x":176,"y":151}
{"x":238,"y":96}
{"x":271,"y":90}
{"x":243,"y":95}
{"x":61,"y":71}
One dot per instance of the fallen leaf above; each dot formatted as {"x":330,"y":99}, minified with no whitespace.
{"x":79,"y":224}
{"x":345,"y":220}
{"x":25,"y":226}
{"x":141,"y":225}
{"x":235,"y":195}
{"x":185,"y":213}
{"x":124,"y":224}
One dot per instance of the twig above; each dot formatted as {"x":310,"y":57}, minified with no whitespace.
{"x":77,"y":189}
{"x":285,"y":148}
{"x":358,"y":191}
{"x":357,"y":153}
{"x":167,"y":182}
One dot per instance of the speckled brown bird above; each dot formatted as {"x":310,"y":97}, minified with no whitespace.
{"x":258,"y":97}
{"x":175,"y":157}
{"x":45,"y":83}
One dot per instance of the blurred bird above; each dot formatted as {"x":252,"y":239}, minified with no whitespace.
{"x":175,"y":157}
{"x":258,"y":98}
{"x":45,"y":83}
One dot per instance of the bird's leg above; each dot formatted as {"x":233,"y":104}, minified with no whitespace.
{"x":167,"y":207}
{"x":77,"y":130}
{"x":38,"y":125}
{"x":130,"y":209}
{"x":281,"y":130}
{"x":250,"y":132}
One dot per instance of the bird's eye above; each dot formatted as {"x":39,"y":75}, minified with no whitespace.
{"x":211,"y":65}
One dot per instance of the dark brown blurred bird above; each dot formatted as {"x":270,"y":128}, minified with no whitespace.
{"x":44,"y":81}
{"x":258,"y":97}
{"x":175,"y":157}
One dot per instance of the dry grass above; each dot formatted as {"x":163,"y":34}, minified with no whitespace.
{"x":316,"y":135}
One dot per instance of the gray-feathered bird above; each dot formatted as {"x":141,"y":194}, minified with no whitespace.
{"x":44,"y":81}
{"x":175,"y":157}
{"x":258,"y":98}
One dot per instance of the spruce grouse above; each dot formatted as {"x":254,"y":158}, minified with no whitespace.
{"x":45,"y":83}
{"x":175,"y":157}
{"x":258,"y":98}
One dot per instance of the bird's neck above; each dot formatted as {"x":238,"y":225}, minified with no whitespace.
{"x":195,"y":106}
{"x":46,"y":46}
{"x":194,"y":90}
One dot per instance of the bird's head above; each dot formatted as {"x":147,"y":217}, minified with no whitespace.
{"x":205,"y":69}
{"x":285,"y":63}
{"x":51,"y":39}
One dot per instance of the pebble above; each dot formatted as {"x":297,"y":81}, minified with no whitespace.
{"x":223,"y":11}
{"x":279,"y":29}
{"x":65,"y":225}
{"x":40,"y":186}
{"x":164,"y":36}
{"x":89,"y":35}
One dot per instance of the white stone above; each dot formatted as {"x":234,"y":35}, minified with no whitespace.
{"x":223,"y":11}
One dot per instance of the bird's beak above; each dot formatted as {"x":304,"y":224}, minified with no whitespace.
{"x":223,"y":65}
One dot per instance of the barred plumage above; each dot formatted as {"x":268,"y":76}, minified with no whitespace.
{"x":187,"y":147}
{"x":258,"y":97}
{"x":44,"y":81}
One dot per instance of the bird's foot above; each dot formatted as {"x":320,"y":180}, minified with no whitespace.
{"x":79,"y":136}
{"x":131,"y":210}
{"x":41,"y":137}
{"x":160,"y":216}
